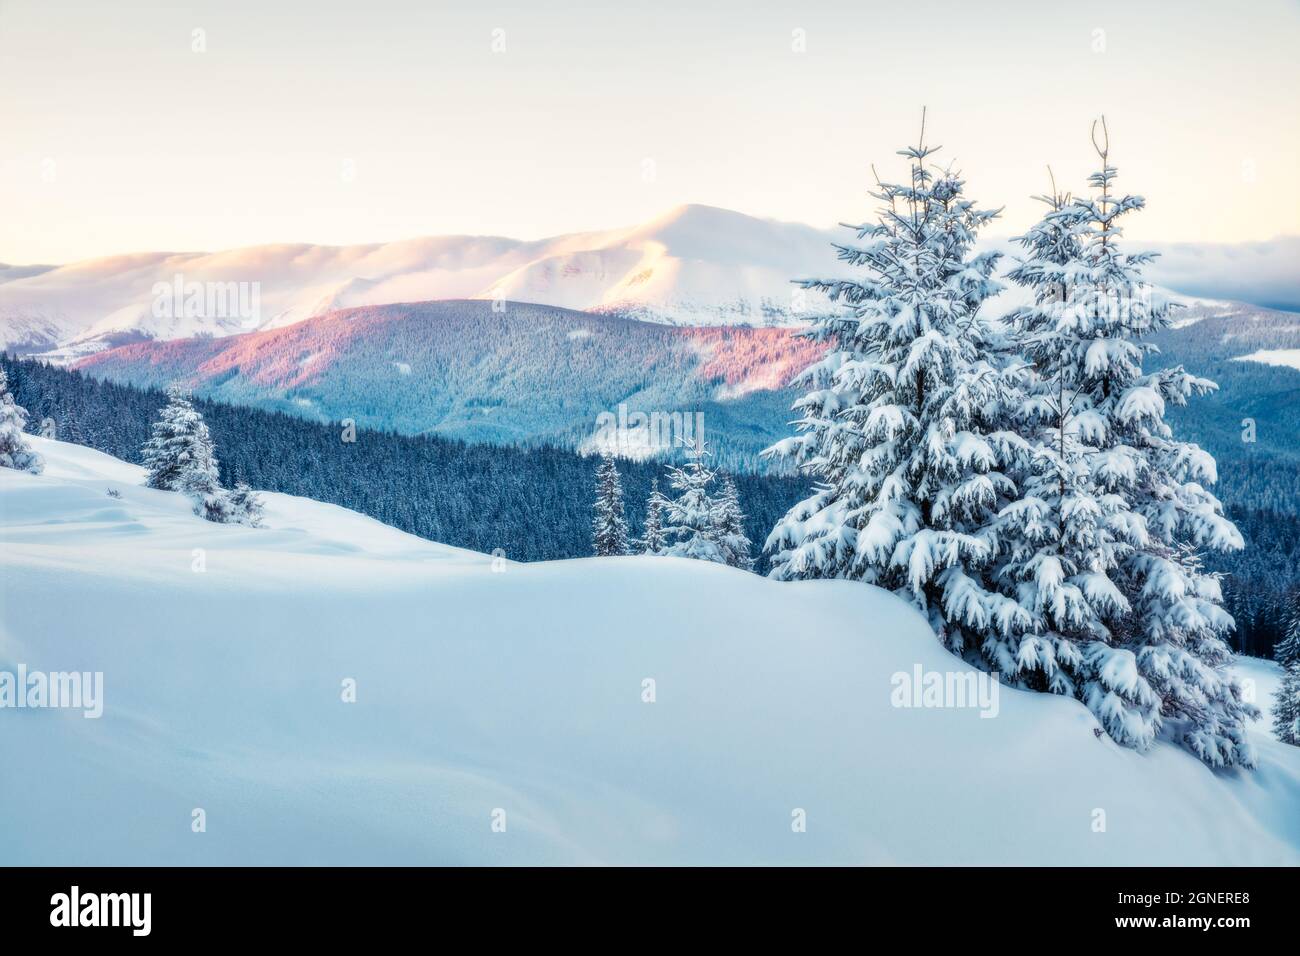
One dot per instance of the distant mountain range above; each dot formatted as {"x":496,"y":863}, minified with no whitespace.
{"x":695,"y":265}
{"x":503,"y":340}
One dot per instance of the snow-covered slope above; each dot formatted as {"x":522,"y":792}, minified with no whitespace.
{"x":1261,"y":679}
{"x":1283,"y":358}
{"x":459,"y":368}
{"x":693,"y":265}
{"x":519,"y":688}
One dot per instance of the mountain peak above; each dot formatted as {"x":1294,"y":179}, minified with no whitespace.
{"x":700,"y":218}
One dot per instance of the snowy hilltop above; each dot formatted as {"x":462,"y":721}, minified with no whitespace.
{"x":325,"y":690}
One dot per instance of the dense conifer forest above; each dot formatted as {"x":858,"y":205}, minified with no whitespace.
{"x":533,"y":504}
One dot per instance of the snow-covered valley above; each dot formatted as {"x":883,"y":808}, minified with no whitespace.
{"x":501,"y":711}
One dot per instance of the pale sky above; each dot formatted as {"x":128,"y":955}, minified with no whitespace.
{"x":354,"y":122}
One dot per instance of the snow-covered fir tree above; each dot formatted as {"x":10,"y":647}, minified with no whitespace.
{"x":1060,"y":549}
{"x":652,"y":538}
{"x":903,"y":423}
{"x":15,"y":451}
{"x":735,"y":545}
{"x":179,"y":456}
{"x":1286,"y":704}
{"x":609,"y":526}
{"x":1104,"y":541}
{"x":691,"y":519}
{"x":245,"y":505}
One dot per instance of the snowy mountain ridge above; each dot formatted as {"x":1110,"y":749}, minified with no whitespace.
{"x":695,"y":265}
{"x":490,"y":691}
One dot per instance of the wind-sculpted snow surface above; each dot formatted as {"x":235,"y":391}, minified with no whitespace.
{"x":489,"y":692}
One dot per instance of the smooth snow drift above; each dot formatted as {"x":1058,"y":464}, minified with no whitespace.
{"x":485,"y":686}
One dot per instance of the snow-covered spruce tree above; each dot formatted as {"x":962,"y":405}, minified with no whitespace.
{"x":904,"y":420}
{"x":1104,"y":542}
{"x":15,"y":451}
{"x":608,"y":527}
{"x":179,"y":456}
{"x":1286,"y":705}
{"x":245,"y":505}
{"x":692,"y":517}
{"x":1060,"y":550}
{"x":731,"y":527}
{"x":653,"y":539}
